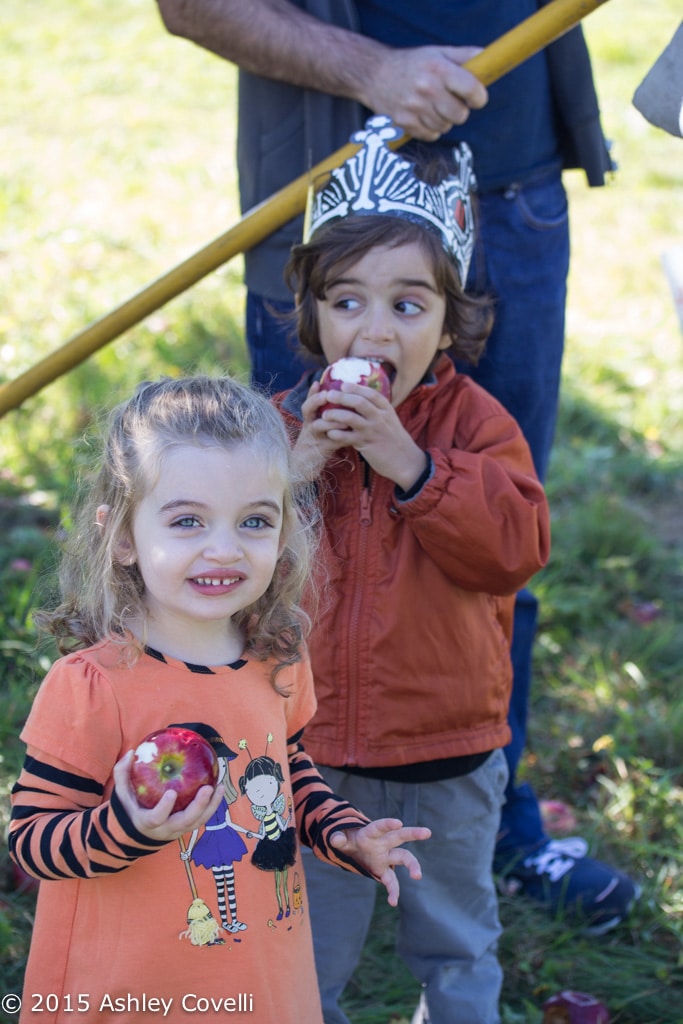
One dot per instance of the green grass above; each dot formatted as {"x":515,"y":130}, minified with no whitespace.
{"x":117,"y":162}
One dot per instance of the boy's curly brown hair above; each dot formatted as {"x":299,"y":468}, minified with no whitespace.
{"x":337,"y":246}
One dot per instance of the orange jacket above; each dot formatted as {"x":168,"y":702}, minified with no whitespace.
{"x":410,"y":650}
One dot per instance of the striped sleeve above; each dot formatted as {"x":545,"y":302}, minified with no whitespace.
{"x":61,"y":826}
{"x":319,"y":811}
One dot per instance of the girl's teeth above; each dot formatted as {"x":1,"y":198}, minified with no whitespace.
{"x":214,"y":582}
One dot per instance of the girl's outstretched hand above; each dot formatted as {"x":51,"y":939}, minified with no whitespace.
{"x":160,"y":822}
{"x":377,"y":847}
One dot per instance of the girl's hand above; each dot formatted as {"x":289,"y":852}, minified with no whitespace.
{"x":159,"y":822}
{"x":377,"y":848}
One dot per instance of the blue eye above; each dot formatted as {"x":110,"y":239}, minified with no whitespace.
{"x":255,"y":522}
{"x":186,"y":522}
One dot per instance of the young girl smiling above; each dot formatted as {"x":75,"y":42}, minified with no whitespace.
{"x":180,"y":587}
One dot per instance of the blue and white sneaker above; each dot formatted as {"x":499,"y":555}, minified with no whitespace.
{"x":562,"y":878}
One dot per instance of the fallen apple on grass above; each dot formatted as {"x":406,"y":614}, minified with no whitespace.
{"x":354,"y":370}
{"x":570,"y":1007}
{"x":23,"y":882}
{"x":173,"y":758}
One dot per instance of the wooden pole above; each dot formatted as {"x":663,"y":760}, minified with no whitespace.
{"x":504,"y":54}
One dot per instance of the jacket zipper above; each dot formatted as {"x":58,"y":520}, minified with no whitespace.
{"x":365,"y":515}
{"x":355,"y":619}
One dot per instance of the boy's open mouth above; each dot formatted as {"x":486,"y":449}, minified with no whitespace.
{"x":388,"y":367}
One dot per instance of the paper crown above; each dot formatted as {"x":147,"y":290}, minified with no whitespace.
{"x":375,"y":180}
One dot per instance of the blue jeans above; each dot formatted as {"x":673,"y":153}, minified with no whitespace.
{"x":277,"y":363}
{"x":522,"y":258}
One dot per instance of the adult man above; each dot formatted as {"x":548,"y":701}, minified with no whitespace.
{"x":308,"y":71}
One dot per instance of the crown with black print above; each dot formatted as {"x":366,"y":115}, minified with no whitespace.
{"x":376,"y":180}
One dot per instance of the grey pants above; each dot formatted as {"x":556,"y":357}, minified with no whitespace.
{"x":448,"y":921}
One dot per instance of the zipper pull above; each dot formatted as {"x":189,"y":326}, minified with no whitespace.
{"x":365,"y":516}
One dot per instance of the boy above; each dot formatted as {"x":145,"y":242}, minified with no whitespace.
{"x":433,"y":518}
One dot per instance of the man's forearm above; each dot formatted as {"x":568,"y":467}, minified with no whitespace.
{"x":275,"y":39}
{"x":424,"y":89}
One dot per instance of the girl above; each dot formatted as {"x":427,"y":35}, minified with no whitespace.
{"x":180,"y":589}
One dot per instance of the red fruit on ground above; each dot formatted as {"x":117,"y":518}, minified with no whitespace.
{"x":172,"y":758}
{"x":23,"y":882}
{"x":571,"y":1007}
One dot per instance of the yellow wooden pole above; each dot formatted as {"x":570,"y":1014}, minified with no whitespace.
{"x":527,"y":38}
{"x":504,"y":54}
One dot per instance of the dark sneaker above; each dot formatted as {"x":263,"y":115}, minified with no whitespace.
{"x":571,"y":885}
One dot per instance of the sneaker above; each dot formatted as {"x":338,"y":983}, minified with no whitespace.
{"x":560,"y":876}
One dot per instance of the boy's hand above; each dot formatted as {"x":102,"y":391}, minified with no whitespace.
{"x":160,"y":823}
{"x":364,"y":419}
{"x":313,"y":446}
{"x":377,"y":848}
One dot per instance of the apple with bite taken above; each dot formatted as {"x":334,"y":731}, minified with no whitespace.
{"x":173,"y":758}
{"x":355,"y":370}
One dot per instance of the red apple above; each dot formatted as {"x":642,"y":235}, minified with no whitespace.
{"x":354,"y":370}
{"x":172,"y":758}
{"x":570,"y":1007}
{"x":22,"y":882}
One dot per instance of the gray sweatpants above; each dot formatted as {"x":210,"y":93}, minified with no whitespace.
{"x":448,"y":921}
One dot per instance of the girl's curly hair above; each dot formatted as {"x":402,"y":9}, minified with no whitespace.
{"x":100,"y":595}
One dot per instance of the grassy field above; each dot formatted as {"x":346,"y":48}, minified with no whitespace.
{"x":117,"y":162}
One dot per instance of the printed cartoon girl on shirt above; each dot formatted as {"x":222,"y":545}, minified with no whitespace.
{"x":276,"y":847}
{"x":219,"y":845}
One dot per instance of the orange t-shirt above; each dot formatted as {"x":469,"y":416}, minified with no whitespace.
{"x":128,"y":930}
